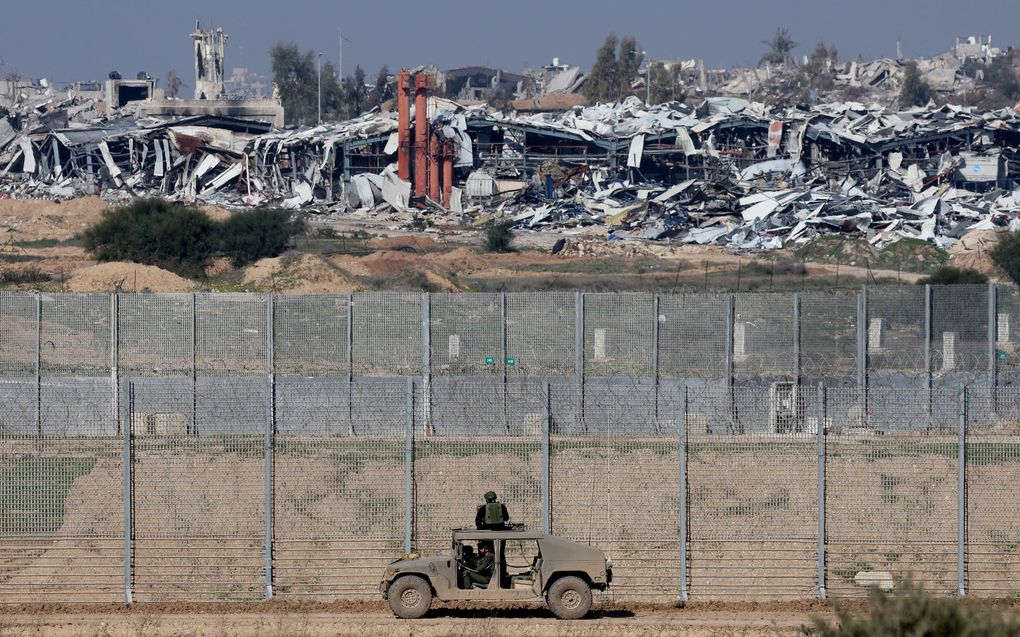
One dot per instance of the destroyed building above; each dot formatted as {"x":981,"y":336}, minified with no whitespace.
{"x":728,"y":172}
{"x":210,"y":88}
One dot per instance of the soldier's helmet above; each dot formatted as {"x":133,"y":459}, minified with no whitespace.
{"x":490,"y":496}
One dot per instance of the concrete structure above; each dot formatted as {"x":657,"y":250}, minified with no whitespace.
{"x":254,"y":110}
{"x":209,"y":49}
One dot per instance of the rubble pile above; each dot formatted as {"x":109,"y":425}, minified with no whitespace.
{"x":727,"y":172}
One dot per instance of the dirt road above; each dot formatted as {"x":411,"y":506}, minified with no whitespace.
{"x":343,"y":620}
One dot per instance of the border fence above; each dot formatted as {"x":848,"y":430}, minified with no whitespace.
{"x":243,"y":446}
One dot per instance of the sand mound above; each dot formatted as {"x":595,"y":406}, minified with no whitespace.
{"x":407,"y":242}
{"x":30,"y":220}
{"x":306,"y":274}
{"x":459,"y":261}
{"x":131,"y":277}
{"x":971,"y":251}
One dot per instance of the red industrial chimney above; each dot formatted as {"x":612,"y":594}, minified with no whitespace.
{"x":404,"y":124}
{"x":448,"y":150}
{"x":421,"y":134}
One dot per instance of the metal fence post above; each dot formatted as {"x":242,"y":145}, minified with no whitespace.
{"x":350,"y":364}
{"x":961,"y":494}
{"x":682,"y":459}
{"x":822,"y":594}
{"x":409,"y":467}
{"x":728,"y":371}
{"x":504,"y":352}
{"x":993,"y":328}
{"x":655,"y":356}
{"x":862,"y":346}
{"x":194,"y":365}
{"x":128,"y":497}
{"x":114,"y":359}
{"x":426,"y":362}
{"x":927,"y":348}
{"x":268,"y":447}
{"x":579,"y":354}
{"x":546,"y":425}
{"x":796,"y":339}
{"x":38,"y":364}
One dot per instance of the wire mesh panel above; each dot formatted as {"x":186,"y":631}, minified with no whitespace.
{"x":692,"y":335}
{"x":896,"y":329}
{"x":466,"y":334}
{"x":230,"y":332}
{"x":890,"y":498}
{"x":17,"y":335}
{"x":615,"y":485}
{"x":763,"y":335}
{"x":75,"y":334}
{"x":61,"y":517}
{"x":959,"y":328}
{"x":618,"y":335}
{"x":198,"y":501}
{"x":454,"y":468}
{"x":541,"y":334}
{"x":310,"y":335}
{"x":753,"y":505}
{"x":1007,"y":329}
{"x":387,"y":334}
{"x":339,"y":499}
{"x":993,"y":466}
{"x":828,"y":335}
{"x":61,"y":505}
{"x":156,"y":334}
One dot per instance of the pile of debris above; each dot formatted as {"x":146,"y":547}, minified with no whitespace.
{"x":727,"y":172}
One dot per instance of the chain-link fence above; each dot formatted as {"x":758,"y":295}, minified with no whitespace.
{"x":234,"y":447}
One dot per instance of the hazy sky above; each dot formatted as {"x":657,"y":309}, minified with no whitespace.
{"x":67,"y":40}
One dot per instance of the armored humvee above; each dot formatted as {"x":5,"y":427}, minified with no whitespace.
{"x":528,"y":566}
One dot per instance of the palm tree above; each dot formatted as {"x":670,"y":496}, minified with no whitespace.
{"x":779,"y":48}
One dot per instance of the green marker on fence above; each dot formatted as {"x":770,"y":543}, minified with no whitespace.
{"x":490,"y":360}
{"x":511,"y":361}
{"x":1001,"y":356}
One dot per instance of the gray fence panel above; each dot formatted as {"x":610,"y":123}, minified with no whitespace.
{"x":891,"y":500}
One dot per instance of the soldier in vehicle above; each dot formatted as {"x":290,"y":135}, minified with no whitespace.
{"x":492,"y":515}
{"x":481,"y":572}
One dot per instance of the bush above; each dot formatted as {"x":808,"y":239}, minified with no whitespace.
{"x":1006,"y":255}
{"x":912,"y":611}
{"x":256,"y":234}
{"x":499,"y":235}
{"x":915,"y":90}
{"x":155,"y":232}
{"x":184,"y":240}
{"x":948,"y":275}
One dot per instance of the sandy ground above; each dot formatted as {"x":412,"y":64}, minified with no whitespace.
{"x":278,"y":619}
{"x":39,"y":238}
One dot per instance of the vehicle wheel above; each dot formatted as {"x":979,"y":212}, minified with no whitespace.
{"x":410,"y":597}
{"x":569,"y":598}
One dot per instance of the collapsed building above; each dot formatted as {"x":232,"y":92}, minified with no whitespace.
{"x":728,"y":171}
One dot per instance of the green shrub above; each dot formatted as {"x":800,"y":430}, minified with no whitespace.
{"x":184,"y":240}
{"x":912,"y":611}
{"x":948,"y":275}
{"x":154,"y":232}
{"x":256,"y":234}
{"x":1006,"y":255}
{"x":499,"y":235}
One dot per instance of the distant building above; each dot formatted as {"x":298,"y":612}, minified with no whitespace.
{"x":211,"y":94}
{"x":210,"y":45}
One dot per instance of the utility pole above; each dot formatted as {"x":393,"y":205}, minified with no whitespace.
{"x":318,"y":72}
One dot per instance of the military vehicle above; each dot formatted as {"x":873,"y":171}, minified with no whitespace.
{"x":527,"y":566}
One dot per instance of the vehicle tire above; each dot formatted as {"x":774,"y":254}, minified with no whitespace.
{"x":569,"y":597}
{"x":409,"y":597}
